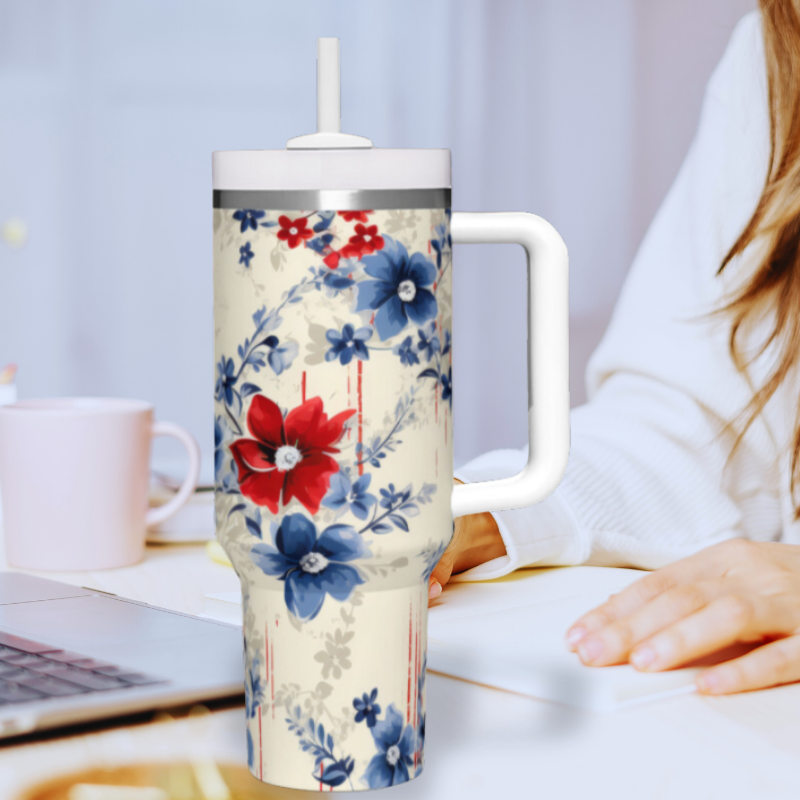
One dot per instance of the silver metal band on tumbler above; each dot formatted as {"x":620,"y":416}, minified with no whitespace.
{"x":339,"y":199}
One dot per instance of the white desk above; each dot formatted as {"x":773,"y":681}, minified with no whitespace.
{"x":480,"y":742}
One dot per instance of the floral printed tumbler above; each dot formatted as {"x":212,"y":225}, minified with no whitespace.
{"x":334,"y":461}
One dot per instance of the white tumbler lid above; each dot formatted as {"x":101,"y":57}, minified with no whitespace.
{"x":330,"y":159}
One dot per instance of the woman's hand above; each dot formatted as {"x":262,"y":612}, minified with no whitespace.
{"x":476,"y":540}
{"x":734,"y":592}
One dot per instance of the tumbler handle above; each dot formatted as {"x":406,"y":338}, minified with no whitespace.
{"x":548,"y":360}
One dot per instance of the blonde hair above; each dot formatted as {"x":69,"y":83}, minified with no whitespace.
{"x":775,"y":225}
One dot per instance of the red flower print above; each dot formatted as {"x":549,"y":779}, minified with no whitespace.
{"x":366,"y":240}
{"x":288,"y":457}
{"x":332,"y":259}
{"x":355,"y":216}
{"x":348,"y":251}
{"x":294,"y":231}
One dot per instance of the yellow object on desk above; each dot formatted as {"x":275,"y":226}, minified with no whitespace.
{"x":216,"y":553}
{"x":7,"y":373}
{"x":171,"y":781}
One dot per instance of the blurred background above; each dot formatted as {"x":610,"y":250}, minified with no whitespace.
{"x":578,"y":110}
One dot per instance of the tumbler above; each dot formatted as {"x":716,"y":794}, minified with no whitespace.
{"x":333,"y":432}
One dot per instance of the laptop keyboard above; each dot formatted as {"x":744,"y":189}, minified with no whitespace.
{"x":35,"y":671}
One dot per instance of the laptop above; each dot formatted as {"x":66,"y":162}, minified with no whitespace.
{"x":70,"y":655}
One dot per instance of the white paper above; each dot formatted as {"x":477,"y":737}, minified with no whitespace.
{"x":510,"y":634}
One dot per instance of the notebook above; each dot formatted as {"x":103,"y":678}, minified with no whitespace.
{"x":509,"y":634}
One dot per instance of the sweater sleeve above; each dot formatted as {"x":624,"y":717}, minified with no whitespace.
{"x":653,"y":475}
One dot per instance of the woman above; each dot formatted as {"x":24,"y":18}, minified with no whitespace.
{"x":691,"y":439}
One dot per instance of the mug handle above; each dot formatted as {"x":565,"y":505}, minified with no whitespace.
{"x":548,"y":360}
{"x":172,"y":506}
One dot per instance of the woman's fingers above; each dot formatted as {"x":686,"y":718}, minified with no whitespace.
{"x":444,"y":569}
{"x":440,"y":575}
{"x":772,"y":664}
{"x":725,"y":621}
{"x":707,"y":564}
{"x":733,"y":592}
{"x":613,"y":643}
{"x":620,"y":605}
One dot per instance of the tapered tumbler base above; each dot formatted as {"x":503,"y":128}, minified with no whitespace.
{"x":336,"y":702}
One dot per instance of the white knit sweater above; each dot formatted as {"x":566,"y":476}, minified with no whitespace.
{"x":650,"y":477}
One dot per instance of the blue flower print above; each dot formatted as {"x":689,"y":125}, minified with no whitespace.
{"x":361,"y":501}
{"x":395,"y":745}
{"x":442,"y":239}
{"x":312,"y":738}
{"x":344,"y":494}
{"x":348,"y":343}
{"x":245,"y":254}
{"x":447,"y":342}
{"x":447,"y":386}
{"x":334,"y":773}
{"x":420,"y":714}
{"x":406,"y":351}
{"x":366,"y":708}
{"x":336,"y":280}
{"x":253,"y":691}
{"x":280,"y":356}
{"x":312,"y":566}
{"x":321,"y":243}
{"x":391,"y":497}
{"x":428,"y":344}
{"x":226,"y":378}
{"x":398,"y":293}
{"x":431,"y":556}
{"x":219,"y":450}
{"x":251,"y":756}
{"x":248,"y":217}
{"x":253,"y":697}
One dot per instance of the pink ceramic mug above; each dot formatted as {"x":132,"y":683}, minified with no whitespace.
{"x":74,"y":478}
